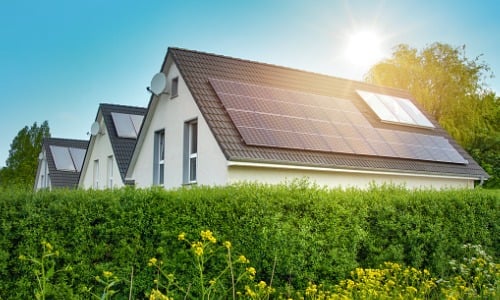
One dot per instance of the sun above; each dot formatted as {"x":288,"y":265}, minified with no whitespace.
{"x":364,"y":48}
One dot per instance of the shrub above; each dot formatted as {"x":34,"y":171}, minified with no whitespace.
{"x":295,"y":233}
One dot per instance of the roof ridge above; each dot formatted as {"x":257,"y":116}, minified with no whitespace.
{"x":287,"y":68}
{"x":63,"y":139}
{"x":121,"y":105}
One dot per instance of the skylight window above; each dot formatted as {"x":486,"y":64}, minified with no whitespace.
{"x":68,"y":159}
{"x":127,"y":126}
{"x":395,"y":110}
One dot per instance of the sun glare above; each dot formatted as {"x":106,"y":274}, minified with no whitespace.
{"x":363,"y":48}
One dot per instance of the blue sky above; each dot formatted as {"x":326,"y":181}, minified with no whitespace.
{"x":60,"y":59}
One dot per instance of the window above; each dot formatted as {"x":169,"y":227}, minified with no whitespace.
{"x":395,"y":110}
{"x":175,"y":87}
{"x":109,"y":173}
{"x":159,"y":158}
{"x":96,"y":174}
{"x":44,"y":177}
{"x":190,"y":151}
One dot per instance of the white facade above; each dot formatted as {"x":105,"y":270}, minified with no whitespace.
{"x":170,"y":114}
{"x":100,"y":170}
{"x":343,"y":178}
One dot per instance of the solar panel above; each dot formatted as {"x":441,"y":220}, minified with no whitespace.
{"x":62,"y":158}
{"x":273,"y":117}
{"x":137,"y":122}
{"x":78,"y":155}
{"x":127,"y":125}
{"x":394,"y":109}
{"x":68,"y":158}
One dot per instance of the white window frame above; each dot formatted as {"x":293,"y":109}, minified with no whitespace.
{"x":95,"y":184}
{"x":190,"y":152}
{"x":109,"y":173}
{"x":159,"y":158}
{"x":45,"y":174}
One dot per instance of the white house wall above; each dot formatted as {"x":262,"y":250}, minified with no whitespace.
{"x":101,"y":150}
{"x":274,"y":174}
{"x":170,"y":115}
{"x":42,"y":176}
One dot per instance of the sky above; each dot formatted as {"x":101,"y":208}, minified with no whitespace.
{"x":60,"y":59}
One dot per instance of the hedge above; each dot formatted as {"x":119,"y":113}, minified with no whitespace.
{"x":296,"y":233}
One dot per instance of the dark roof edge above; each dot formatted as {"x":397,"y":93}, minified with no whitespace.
{"x":64,"y":140}
{"x":346,"y":168}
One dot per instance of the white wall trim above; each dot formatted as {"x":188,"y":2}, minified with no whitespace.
{"x":338,"y":170}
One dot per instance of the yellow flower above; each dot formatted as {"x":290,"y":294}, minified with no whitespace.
{"x":227,"y":244}
{"x":181,"y":236}
{"x":208,"y":235}
{"x":249,"y":292}
{"x":22,"y":257}
{"x":311,"y":289}
{"x":152,"y":261}
{"x":242,"y":259}
{"x":198,"y":251}
{"x":212,"y":282}
{"x":251,"y":271}
{"x":157,"y":295}
{"x":107,"y":274}
{"x":262,"y":285}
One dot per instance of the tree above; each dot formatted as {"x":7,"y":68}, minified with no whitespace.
{"x":451,"y":87}
{"x":21,"y":165}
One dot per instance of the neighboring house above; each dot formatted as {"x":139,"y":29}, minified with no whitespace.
{"x":222,"y":120}
{"x":113,"y":137}
{"x":60,"y":163}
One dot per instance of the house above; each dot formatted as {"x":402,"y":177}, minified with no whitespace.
{"x":216,"y":120}
{"x":113,"y":137}
{"x":60,"y":163}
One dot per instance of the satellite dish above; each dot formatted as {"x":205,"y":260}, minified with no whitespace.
{"x":159,"y":84}
{"x":40,"y":156}
{"x":95,"y":128}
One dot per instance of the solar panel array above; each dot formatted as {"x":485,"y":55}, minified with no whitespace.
{"x":127,"y":125}
{"x":67,"y":158}
{"x":273,"y":117}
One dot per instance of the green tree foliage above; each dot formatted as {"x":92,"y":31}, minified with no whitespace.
{"x":21,"y":165}
{"x":451,"y":87}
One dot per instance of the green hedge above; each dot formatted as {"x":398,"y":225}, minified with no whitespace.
{"x":308,"y":233}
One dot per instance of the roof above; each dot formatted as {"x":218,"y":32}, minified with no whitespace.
{"x":59,"y":178}
{"x":122,"y":147}
{"x":200,"y":70}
